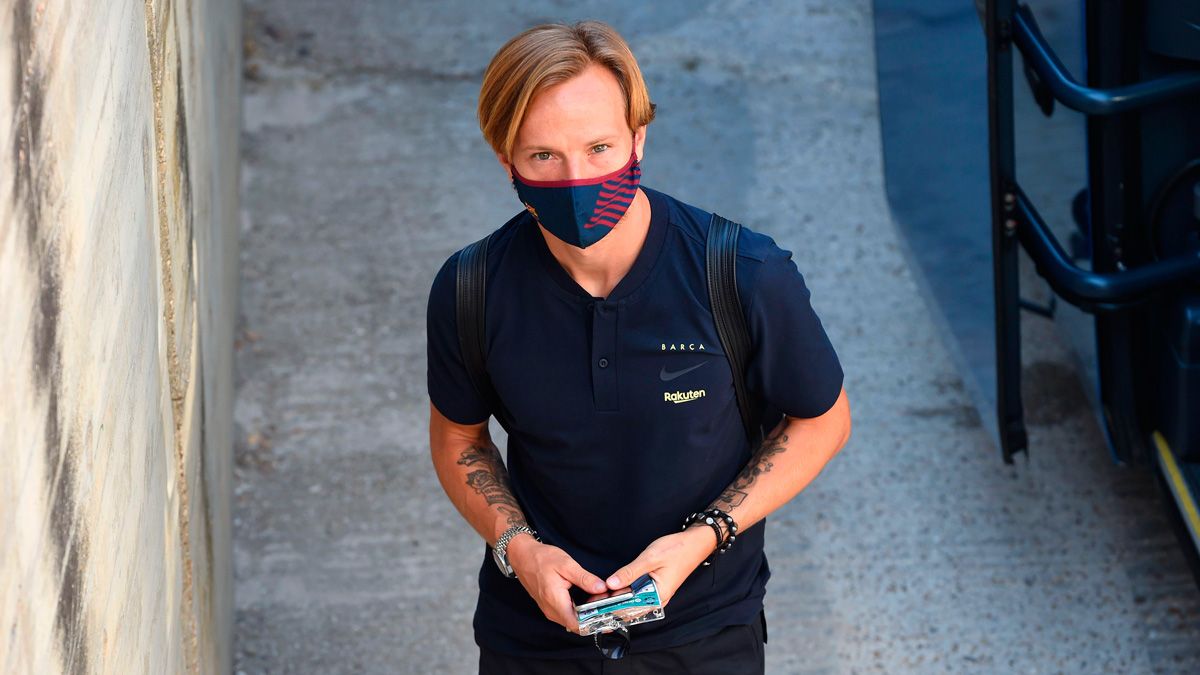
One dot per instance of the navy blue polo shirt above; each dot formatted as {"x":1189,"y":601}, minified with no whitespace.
{"x":623,"y":413}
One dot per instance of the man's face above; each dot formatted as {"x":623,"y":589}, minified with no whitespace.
{"x":575,"y":129}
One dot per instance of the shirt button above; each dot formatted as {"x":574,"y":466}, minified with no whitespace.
{"x":603,"y":362}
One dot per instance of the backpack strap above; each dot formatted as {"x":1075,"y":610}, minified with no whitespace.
{"x":470,"y":293}
{"x":721,"y":272}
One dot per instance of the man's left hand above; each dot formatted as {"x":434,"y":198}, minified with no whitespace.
{"x":669,"y":560}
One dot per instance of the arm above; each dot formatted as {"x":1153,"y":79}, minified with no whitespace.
{"x":471,"y":472}
{"x":793,"y":365}
{"x":791,"y":456}
{"x":469,"y":467}
{"x":789,"y":459}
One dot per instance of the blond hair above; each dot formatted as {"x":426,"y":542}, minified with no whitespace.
{"x":547,"y":55}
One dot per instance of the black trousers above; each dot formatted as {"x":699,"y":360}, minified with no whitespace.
{"x":735,"y":650}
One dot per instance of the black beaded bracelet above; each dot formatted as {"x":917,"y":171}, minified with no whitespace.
{"x":727,"y":541}
{"x":694,"y":518}
{"x":731,"y":528}
{"x":710,"y":517}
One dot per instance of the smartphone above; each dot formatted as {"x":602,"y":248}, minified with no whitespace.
{"x":611,"y":610}
{"x":584,"y":600}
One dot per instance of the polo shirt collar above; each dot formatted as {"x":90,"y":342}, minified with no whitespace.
{"x":642,"y":266}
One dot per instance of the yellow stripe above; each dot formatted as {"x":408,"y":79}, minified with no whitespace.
{"x":1183,"y":495}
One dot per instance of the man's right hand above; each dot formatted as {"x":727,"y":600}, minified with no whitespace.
{"x":547,"y":573}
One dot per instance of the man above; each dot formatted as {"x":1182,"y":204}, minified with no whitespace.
{"x":603,"y":353}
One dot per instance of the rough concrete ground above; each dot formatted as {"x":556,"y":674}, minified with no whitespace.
{"x":915,"y":551}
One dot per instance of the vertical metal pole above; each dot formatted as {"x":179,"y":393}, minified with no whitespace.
{"x":1114,"y":178}
{"x":1005,"y":244}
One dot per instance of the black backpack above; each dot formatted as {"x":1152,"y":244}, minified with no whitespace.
{"x":721,"y":252}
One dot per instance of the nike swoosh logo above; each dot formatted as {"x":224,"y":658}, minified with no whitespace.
{"x":667,"y":377}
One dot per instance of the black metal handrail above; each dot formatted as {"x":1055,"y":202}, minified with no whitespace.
{"x":1102,"y":290}
{"x":1028,"y":38}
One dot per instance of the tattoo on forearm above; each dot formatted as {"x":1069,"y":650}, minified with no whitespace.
{"x":731,"y":497}
{"x":515,"y":517}
{"x":491,"y":487}
{"x":490,"y":479}
{"x":759,"y":464}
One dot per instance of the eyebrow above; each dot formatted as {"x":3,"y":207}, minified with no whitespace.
{"x":542,"y":148}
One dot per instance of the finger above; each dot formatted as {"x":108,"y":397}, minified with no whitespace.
{"x":555,"y":615}
{"x":565,"y":609}
{"x":626,"y":575}
{"x":582,"y":578}
{"x":551,"y":605}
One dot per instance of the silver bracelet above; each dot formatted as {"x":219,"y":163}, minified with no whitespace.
{"x":500,"y":550}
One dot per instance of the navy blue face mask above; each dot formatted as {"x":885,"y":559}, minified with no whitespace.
{"x":580,"y":212}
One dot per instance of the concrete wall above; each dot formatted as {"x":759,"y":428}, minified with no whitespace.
{"x":118,"y":292}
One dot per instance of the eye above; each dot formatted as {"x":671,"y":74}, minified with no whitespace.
{"x":600,"y":148}
{"x":542,"y":156}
